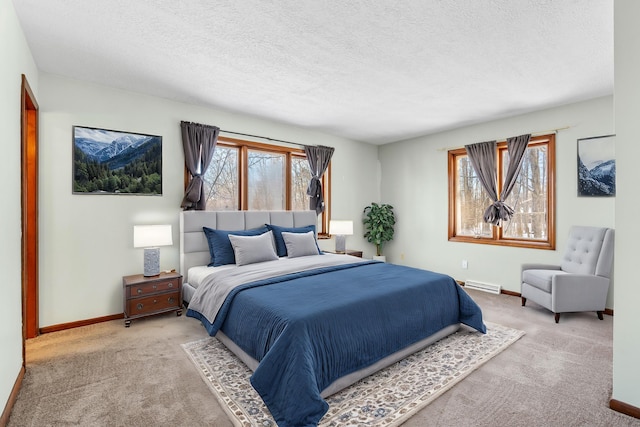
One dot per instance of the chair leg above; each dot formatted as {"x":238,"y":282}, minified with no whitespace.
{"x":600,"y":315}
{"x":524,"y":301}
{"x":557,"y":317}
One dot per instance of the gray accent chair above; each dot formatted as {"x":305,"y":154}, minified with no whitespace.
{"x":581,"y":281}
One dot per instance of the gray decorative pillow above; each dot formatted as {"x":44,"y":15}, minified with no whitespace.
{"x":253,"y":249}
{"x":300,"y":244}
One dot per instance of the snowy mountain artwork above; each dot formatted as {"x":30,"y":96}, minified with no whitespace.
{"x":596,"y":166}
{"x":114,"y":162}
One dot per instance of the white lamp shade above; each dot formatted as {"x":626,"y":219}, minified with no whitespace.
{"x":148,"y":236}
{"x":343,"y":228}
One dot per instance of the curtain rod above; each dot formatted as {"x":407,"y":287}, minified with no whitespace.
{"x":262,"y":137}
{"x":538,"y":133}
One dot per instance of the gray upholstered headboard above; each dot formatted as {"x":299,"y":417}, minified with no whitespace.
{"x":194,"y":249}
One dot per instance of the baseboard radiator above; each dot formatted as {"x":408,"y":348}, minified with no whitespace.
{"x":486,"y":287}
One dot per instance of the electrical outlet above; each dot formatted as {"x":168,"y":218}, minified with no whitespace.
{"x":464,"y":263}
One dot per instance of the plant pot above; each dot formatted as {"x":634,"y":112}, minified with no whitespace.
{"x":380,"y":258}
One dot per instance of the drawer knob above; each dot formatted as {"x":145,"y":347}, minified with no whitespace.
{"x":139,"y":306}
{"x":139,"y":290}
{"x":171,"y":284}
{"x":170,"y":299}
{"x":155,"y":286}
{"x":155,"y":301}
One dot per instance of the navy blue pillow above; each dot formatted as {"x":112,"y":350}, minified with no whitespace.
{"x":220,"y":246}
{"x":281,"y":248}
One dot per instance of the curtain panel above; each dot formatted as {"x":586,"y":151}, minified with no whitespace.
{"x":199,"y":142}
{"x":318,"y":158}
{"x":483,"y":159}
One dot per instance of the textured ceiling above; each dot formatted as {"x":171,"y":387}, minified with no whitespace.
{"x":370,"y":70}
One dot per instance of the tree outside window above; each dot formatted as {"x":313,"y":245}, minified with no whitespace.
{"x":300,"y":177}
{"x":221,"y":180}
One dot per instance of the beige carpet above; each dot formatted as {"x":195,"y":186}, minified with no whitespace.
{"x":109,"y":375}
{"x":386,"y":398}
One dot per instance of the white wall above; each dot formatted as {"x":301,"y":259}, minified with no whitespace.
{"x":414,"y":181}
{"x":86,"y":242}
{"x":626,"y":345}
{"x":16,"y":60}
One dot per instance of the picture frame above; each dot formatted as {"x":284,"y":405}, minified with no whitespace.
{"x":597,"y":166}
{"x":109,"y":161}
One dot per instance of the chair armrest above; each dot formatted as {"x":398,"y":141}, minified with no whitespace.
{"x":538,"y":267}
{"x":578,"y":292}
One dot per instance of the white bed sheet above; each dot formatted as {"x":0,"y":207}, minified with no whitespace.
{"x":198,"y":274}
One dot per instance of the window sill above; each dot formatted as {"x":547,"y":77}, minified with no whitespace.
{"x":504,"y":242}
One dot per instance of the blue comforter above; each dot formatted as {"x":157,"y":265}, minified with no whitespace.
{"x":308,"y":329}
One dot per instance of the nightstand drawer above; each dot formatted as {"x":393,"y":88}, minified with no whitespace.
{"x":153,"y":287}
{"x":153,"y":303}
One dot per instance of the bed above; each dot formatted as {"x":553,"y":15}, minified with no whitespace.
{"x":308,"y":324}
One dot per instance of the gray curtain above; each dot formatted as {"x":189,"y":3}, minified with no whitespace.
{"x":318,"y":158}
{"x":199,"y":142}
{"x":516,"y":146}
{"x":483,"y":160}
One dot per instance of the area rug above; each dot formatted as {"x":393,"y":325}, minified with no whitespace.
{"x":387,"y":398}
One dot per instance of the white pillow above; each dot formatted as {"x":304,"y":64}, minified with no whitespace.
{"x":253,"y":249}
{"x":300,"y":244}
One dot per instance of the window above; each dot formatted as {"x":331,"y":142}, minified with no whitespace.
{"x":300,"y":177}
{"x":221,"y":180}
{"x":266,"y":176}
{"x":246,"y":175}
{"x":532,"y":199}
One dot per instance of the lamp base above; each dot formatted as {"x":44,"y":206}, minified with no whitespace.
{"x":341,"y":246}
{"x":151,"y":262}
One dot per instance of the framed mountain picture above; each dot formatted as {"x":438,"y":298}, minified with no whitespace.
{"x":114,"y":162}
{"x":597,"y":166}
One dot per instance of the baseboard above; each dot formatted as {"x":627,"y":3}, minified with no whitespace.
{"x":510,"y":293}
{"x":624,"y":408}
{"x":70,"y":325}
{"x":4,"y":419}
{"x":502,"y":291}
{"x":608,"y":311}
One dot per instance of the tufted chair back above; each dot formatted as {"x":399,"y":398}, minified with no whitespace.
{"x":589,"y":251}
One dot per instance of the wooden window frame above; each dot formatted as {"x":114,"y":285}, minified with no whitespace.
{"x":497,"y":237}
{"x":289,"y":152}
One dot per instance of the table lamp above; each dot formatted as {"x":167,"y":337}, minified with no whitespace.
{"x":150,"y":237}
{"x":341,"y":229}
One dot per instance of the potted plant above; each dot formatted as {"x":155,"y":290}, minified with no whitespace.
{"x":378,"y":221}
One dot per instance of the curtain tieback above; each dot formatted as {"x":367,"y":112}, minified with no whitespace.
{"x":315,"y":187}
{"x":497,"y":212}
{"x":193,"y":188}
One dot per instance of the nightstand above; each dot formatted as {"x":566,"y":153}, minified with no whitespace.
{"x":146,"y":296}
{"x":347,"y":252}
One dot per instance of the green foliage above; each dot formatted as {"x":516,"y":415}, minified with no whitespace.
{"x":142,"y":175}
{"x":378,"y":222}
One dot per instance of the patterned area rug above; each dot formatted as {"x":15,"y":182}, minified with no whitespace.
{"x":387,"y":398}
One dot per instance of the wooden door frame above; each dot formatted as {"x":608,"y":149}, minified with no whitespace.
{"x":29,"y":191}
